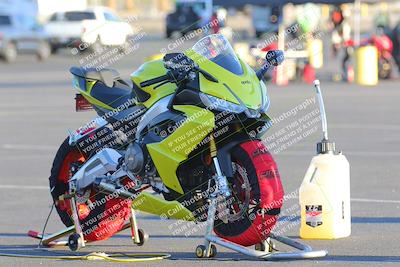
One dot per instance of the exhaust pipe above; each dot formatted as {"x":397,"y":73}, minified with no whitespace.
{"x":103,"y":186}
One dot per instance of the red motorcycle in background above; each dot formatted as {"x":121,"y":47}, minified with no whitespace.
{"x":383,"y":44}
{"x":385,"y":59}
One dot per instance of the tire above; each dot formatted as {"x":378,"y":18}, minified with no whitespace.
{"x":44,"y":51}
{"x":98,"y":228}
{"x":143,"y":237}
{"x":59,"y":175}
{"x":54,"y":48}
{"x":75,"y":242}
{"x":168,"y":33}
{"x":255,"y":186}
{"x":97,"y":46}
{"x":10,"y":52}
{"x":384,"y":68}
{"x":124,"y":48}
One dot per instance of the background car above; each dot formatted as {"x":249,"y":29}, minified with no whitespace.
{"x":97,"y":25}
{"x":266,"y":19}
{"x":22,"y":34}
{"x":189,"y":15}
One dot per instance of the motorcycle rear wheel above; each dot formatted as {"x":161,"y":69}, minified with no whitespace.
{"x":98,"y":223}
{"x":59,"y":176}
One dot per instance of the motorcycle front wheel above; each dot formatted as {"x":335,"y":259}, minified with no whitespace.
{"x":257,"y":195}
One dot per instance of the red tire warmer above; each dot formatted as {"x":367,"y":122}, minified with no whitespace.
{"x":271,"y":195}
{"x":108,"y":214}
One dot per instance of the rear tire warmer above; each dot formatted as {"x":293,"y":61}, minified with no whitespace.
{"x":266,"y":189}
{"x":59,"y":176}
{"x":99,"y":223}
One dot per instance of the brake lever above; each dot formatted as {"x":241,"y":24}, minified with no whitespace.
{"x":192,"y":66}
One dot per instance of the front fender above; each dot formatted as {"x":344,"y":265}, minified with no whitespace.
{"x":224,"y":156}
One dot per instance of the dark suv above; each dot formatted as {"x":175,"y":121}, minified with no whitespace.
{"x":183,"y":20}
{"x":22,"y":34}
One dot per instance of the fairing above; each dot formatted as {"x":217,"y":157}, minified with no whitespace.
{"x":225,"y":65}
{"x":150,"y":70}
{"x":245,"y":85}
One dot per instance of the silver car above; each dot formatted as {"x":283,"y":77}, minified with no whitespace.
{"x":22,"y":34}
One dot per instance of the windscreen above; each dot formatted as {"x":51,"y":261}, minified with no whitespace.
{"x":216,"y":48}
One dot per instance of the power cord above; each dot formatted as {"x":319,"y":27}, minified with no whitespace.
{"x":45,"y":224}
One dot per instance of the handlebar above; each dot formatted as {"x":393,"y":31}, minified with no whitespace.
{"x":154,"y":80}
{"x":179,"y":69}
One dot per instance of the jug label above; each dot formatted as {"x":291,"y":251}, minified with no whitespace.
{"x":314,"y":215}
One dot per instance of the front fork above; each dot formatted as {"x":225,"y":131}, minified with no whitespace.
{"x":221,"y":190}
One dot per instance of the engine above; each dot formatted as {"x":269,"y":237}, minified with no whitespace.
{"x":134,"y":159}
{"x":138,"y":162}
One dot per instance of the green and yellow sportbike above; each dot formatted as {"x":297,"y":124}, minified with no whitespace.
{"x":182,"y":131}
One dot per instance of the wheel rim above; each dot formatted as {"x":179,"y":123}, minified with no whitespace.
{"x":241,"y":193}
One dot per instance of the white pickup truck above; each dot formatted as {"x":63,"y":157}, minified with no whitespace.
{"x":81,"y":29}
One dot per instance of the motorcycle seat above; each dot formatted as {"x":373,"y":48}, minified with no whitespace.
{"x":106,"y":76}
{"x":110,"y":88}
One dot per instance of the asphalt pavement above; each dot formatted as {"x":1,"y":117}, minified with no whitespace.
{"x":37,"y":110}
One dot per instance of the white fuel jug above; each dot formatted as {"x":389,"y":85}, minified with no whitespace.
{"x":325,"y":191}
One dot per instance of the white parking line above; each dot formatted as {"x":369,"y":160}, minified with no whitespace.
{"x":39,"y":156}
{"x":370,"y":126}
{"x":368,"y":200}
{"x":28,"y":147}
{"x":375,"y":200}
{"x":350,"y":153}
{"x":23,"y":187}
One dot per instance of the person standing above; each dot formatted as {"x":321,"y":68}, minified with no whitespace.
{"x":337,"y":31}
{"x":396,"y":44}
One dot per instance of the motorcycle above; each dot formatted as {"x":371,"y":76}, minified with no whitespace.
{"x":384,"y":46}
{"x":385,"y":49}
{"x":180,"y":140}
